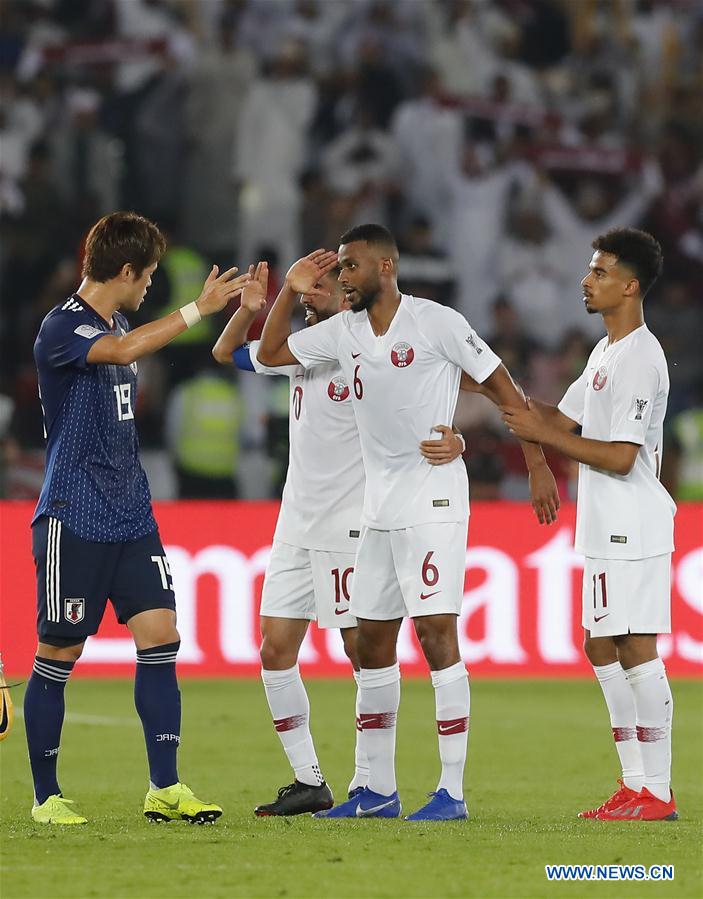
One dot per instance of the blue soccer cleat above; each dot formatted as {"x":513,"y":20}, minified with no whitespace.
{"x":441,"y":807}
{"x":365,"y":804}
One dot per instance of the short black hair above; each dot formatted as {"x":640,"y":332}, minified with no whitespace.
{"x":637,"y":250}
{"x":376,"y":235}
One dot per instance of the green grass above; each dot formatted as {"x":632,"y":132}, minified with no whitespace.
{"x":539,"y":752}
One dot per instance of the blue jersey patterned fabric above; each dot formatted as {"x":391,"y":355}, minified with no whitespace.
{"x":94,"y":482}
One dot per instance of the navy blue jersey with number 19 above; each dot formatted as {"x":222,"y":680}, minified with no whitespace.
{"x":94,"y":482}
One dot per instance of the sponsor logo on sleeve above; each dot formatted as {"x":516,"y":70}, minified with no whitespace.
{"x":87,"y":331}
{"x":402,"y":354}
{"x":618,"y":538}
{"x":473,"y":343}
{"x":600,"y":378}
{"x":338,"y":390}
{"x":639,"y":409}
{"x":440,"y":503}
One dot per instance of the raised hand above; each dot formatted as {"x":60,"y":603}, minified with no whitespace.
{"x":255,"y":292}
{"x":218,"y":290}
{"x":304,"y":275}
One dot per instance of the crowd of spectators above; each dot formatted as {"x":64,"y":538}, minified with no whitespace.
{"x":496,"y":138}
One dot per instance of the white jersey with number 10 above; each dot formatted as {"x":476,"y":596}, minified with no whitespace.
{"x":322,"y":498}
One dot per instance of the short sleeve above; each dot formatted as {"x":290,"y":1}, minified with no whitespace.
{"x":65,"y":340}
{"x":573,"y":402}
{"x":249,"y":352}
{"x":317,"y":344}
{"x":635,"y":387}
{"x":456,"y":340}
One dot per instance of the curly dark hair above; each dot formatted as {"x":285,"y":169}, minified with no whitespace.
{"x":636,"y":249}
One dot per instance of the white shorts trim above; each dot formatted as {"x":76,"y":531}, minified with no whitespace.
{"x":410,"y":572}
{"x":627,"y":596}
{"x":308,"y":584}
{"x":53,"y":569}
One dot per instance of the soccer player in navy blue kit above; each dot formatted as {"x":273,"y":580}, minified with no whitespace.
{"x":94,"y":536}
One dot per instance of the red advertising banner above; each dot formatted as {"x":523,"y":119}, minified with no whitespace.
{"x":521,"y":613}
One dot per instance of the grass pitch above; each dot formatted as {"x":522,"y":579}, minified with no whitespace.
{"x":539,"y":752}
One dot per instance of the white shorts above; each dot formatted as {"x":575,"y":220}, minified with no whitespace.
{"x":410,"y":572}
{"x":627,"y":596}
{"x":310,"y":584}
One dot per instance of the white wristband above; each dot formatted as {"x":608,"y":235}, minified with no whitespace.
{"x":191,"y":314}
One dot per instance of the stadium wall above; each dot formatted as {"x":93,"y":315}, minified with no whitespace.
{"x":521,"y":613}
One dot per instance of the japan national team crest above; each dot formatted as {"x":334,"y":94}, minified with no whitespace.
{"x":73,"y":610}
{"x":600,"y":377}
{"x":338,"y":390}
{"x":402,"y":354}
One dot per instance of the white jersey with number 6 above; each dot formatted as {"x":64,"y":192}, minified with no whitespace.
{"x":323,"y":494}
{"x":621,"y":396}
{"x":403,"y":383}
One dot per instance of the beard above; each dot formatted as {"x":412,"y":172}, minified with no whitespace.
{"x":366,"y":300}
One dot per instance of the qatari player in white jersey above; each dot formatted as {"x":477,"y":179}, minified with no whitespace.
{"x":403,"y":358}
{"x":625,"y":517}
{"x":310,"y":570}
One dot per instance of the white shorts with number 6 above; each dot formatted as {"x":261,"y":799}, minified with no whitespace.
{"x":627,"y":596}
{"x":310,"y":584}
{"x":410,"y":572}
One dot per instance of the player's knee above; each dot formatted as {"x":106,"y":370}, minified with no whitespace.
{"x":599,"y":651}
{"x":276,"y":656}
{"x":439,"y":647}
{"x":60,"y":653}
{"x":349,"y":636}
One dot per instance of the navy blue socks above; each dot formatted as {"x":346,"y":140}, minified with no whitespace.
{"x":158,"y":702}
{"x":43,"y":719}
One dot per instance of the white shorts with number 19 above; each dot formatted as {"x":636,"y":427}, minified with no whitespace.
{"x":310,"y":584}
{"x":623,"y":596}
{"x":410,"y":572}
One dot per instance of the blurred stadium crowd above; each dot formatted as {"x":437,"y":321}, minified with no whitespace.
{"x":496,"y":138}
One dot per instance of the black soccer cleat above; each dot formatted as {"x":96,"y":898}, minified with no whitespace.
{"x":297,"y":799}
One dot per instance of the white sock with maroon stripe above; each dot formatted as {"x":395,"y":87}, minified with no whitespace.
{"x":290,"y":709}
{"x":379,"y":698}
{"x":621,"y":706}
{"x":655,"y":709}
{"x":361,"y":761}
{"x":452,"y":702}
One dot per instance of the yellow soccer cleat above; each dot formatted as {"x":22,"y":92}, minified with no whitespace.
{"x":7,"y":712}
{"x":56,"y":810}
{"x":177,"y":803}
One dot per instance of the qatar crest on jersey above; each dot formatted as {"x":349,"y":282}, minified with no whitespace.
{"x":600,"y":378}
{"x":402,"y":354}
{"x":338,"y":390}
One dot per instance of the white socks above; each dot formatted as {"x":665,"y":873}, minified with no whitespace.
{"x":452,"y":703}
{"x":290,"y":709}
{"x":621,"y":705}
{"x":361,"y":761}
{"x":379,"y":698}
{"x":655,"y":708}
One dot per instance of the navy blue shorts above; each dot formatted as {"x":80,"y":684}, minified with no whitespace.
{"x":76,"y":577}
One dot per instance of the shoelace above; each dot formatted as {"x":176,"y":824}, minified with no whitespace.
{"x":284,"y":791}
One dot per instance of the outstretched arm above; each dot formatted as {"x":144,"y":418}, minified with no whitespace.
{"x":302,"y":277}
{"x":216,"y":293}
{"x":236,"y":329}
{"x":532,"y":423}
{"x":498,"y":386}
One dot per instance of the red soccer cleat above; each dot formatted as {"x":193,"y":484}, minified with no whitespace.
{"x":644,"y":807}
{"x":623,"y":795}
